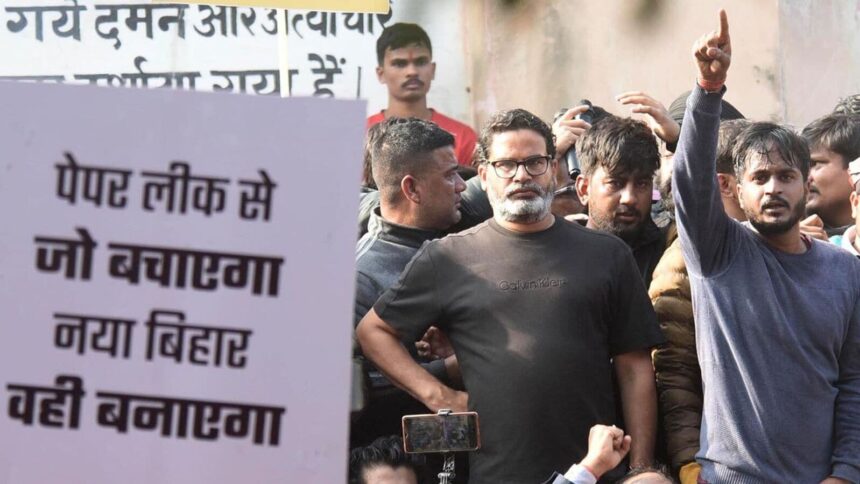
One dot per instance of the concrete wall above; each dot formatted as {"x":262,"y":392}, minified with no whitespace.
{"x":792,"y":58}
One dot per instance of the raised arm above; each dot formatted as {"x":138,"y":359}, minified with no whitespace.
{"x":702,"y":222}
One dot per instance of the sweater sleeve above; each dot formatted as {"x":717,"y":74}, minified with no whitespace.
{"x":703,"y":225}
{"x":846,"y":449}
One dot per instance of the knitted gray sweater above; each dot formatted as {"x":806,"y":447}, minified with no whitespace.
{"x":777,"y":334}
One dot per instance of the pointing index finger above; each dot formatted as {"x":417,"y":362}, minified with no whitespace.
{"x":723,"y":33}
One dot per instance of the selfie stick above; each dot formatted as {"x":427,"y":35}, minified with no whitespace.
{"x":447,"y":475}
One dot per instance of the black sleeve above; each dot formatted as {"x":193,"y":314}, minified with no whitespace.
{"x":633,"y":324}
{"x":411,"y":305}
{"x":366,"y":293}
{"x":475,"y":207}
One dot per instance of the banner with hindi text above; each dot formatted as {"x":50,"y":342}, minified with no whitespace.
{"x":177,"y":285}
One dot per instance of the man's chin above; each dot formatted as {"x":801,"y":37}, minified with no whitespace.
{"x":412,"y":95}
{"x":773,"y":226}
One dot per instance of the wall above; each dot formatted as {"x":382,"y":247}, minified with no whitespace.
{"x":790,"y":62}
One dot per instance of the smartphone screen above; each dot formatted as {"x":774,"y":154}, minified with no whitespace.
{"x":456,"y":432}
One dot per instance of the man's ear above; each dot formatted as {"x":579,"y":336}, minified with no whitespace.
{"x":582,"y":186}
{"x":855,"y":204}
{"x":482,"y":175}
{"x":409,"y":188}
{"x":379,"y":72}
{"x":740,"y":193}
{"x":725,"y":183}
{"x":432,"y":71}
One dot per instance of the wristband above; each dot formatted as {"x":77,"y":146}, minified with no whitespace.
{"x":710,"y":86}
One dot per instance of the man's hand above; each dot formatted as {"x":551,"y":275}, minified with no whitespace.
{"x":835,"y":480}
{"x":658,"y":117}
{"x":813,"y":226}
{"x":579,"y":218}
{"x":713,"y":54}
{"x":449,"y":398}
{"x":434,"y":344}
{"x":567,"y":129}
{"x":607,"y":446}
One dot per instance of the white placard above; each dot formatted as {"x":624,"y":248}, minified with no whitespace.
{"x":198,"y":338}
{"x":137,"y":43}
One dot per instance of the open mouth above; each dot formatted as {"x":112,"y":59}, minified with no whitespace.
{"x":774,"y":205}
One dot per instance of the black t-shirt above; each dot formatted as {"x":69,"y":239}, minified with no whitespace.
{"x":534,"y":320}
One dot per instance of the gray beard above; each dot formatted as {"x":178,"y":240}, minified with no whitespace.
{"x":522,"y":211}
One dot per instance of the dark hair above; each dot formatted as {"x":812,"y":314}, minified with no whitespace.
{"x":729,"y":131}
{"x":619,"y":145}
{"x":400,"y":35}
{"x":402,"y":149}
{"x":384,"y":451}
{"x":660,"y":469}
{"x":848,"y":105}
{"x":371,"y":138}
{"x":512,"y":120}
{"x":839,"y":133}
{"x":679,"y":107}
{"x":762,"y":138}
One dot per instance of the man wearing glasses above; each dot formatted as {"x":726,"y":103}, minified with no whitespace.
{"x":533,"y":326}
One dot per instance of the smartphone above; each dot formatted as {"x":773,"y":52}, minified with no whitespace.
{"x":454,"y":432}
{"x":573,"y":166}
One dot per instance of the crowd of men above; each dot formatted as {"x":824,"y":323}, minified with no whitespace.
{"x":695,"y":282}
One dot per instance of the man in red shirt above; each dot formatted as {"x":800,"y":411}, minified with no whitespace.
{"x":406,"y":67}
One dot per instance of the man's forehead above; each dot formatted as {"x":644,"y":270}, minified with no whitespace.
{"x":412,"y":50}
{"x":768,"y":161}
{"x":623,"y":171}
{"x":820,"y":152}
{"x":516,"y":139}
{"x":445,"y":155}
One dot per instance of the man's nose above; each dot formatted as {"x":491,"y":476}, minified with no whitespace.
{"x":460,"y":184}
{"x":628,"y":194}
{"x":773,"y":186}
{"x":521,"y":174}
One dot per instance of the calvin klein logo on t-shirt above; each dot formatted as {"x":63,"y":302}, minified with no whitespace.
{"x":521,"y":285}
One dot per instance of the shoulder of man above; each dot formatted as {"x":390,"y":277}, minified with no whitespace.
{"x":452,"y":125}
{"x":831,"y":249}
{"x":374,"y":119}
{"x":598,"y":237}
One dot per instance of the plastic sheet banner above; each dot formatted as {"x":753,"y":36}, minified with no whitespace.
{"x":367,"y":6}
{"x":177,"y":285}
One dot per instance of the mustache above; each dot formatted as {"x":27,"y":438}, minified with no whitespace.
{"x":814,"y":189}
{"x":627,"y":210}
{"x":418,"y":82}
{"x":775,"y":201}
{"x":529,"y":186}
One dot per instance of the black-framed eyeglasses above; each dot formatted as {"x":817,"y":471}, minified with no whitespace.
{"x":534,"y":166}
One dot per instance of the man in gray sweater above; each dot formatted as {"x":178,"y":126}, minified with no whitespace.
{"x":777,"y":313}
